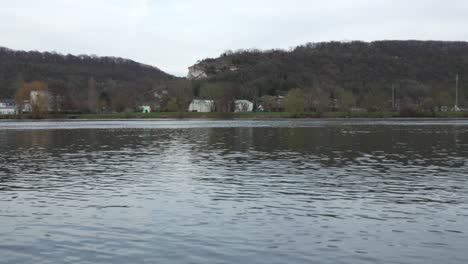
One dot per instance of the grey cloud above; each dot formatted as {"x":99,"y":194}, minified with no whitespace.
{"x":174,"y":34}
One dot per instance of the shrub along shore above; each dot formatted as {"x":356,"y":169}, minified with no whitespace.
{"x":251,"y":115}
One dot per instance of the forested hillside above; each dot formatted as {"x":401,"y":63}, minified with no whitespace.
{"x":327,"y":76}
{"x":418,"y":70}
{"x":71,"y":76}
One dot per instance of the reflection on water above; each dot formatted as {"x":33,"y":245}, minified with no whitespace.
{"x":234,"y":191}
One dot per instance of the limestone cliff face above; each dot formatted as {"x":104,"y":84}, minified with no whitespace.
{"x":196,"y":73}
{"x":210,"y":67}
{"x":417,"y":69}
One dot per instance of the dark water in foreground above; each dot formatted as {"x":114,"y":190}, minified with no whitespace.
{"x":234,"y":192}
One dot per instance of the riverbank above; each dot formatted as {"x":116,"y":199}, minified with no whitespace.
{"x":251,"y":115}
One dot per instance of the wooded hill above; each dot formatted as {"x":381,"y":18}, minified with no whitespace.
{"x":417,"y":69}
{"x":330,"y":75}
{"x":70,"y":75}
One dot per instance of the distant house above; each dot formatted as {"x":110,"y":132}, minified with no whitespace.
{"x":357,"y":110}
{"x":456,"y":109}
{"x":243,"y":106}
{"x":7,"y":107}
{"x":146,"y":109}
{"x":25,"y":107}
{"x":201,"y":106}
{"x":271,"y":103}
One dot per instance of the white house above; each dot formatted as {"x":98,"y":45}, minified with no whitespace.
{"x":196,"y":73}
{"x":243,"y":106}
{"x":201,"y":106}
{"x":7,"y":107}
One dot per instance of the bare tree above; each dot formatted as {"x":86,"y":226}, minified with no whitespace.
{"x":223,"y":94}
{"x":442,"y":98}
{"x":213,"y":92}
{"x":295,"y":101}
{"x":243,"y":106}
{"x":92,"y":95}
{"x":346,"y":99}
{"x":268,"y":102}
{"x":181,"y":94}
{"x":316,"y":99}
{"x":40,"y":104}
{"x":120,"y":101}
{"x":23,"y":96}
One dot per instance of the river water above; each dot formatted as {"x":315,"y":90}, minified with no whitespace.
{"x":277,"y":191}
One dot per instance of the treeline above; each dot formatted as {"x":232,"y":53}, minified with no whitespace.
{"x":361,"y":73}
{"x":112,"y":81}
{"x":332,"y":76}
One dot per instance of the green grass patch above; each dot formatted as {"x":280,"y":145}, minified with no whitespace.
{"x":249,"y":115}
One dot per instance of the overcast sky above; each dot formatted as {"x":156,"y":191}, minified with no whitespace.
{"x":174,"y":34}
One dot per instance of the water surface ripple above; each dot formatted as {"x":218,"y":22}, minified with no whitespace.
{"x":277,"y":191}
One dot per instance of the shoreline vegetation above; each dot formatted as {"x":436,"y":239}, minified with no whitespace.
{"x":383,"y":79}
{"x":333,"y":78}
{"x":249,"y":115}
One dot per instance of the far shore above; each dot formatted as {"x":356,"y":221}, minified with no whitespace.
{"x":250,"y":115}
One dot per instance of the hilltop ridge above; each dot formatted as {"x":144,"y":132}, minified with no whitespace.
{"x":415,"y":68}
{"x":70,"y":74}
